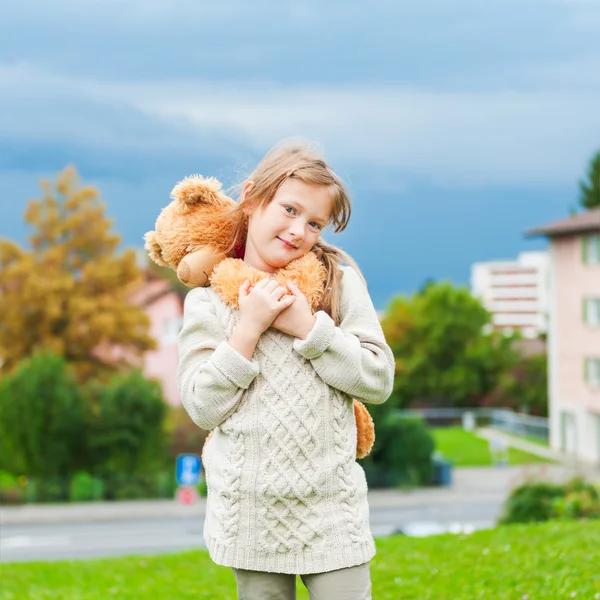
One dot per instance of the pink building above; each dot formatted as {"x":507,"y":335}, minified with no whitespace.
{"x":574,"y":334}
{"x":163,"y":303}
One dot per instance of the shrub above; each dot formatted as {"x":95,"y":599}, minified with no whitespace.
{"x":402,"y":454}
{"x":541,"y":501}
{"x":184,"y":436}
{"x":580,"y":500}
{"x":11,"y":491}
{"x":202,"y":488}
{"x":127,"y":437}
{"x":41,"y":418}
{"x":85,"y":487}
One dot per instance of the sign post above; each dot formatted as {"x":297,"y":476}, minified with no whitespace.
{"x":187,"y":472}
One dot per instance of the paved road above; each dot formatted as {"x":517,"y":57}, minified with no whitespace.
{"x":149,"y":536}
{"x":86,"y":530}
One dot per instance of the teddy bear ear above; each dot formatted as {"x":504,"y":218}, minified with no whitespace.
{"x":197,"y":189}
{"x":153,"y":248}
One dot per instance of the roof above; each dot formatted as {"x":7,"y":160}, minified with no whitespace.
{"x":578,"y":223}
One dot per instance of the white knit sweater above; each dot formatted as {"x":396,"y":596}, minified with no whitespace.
{"x":285,"y":493}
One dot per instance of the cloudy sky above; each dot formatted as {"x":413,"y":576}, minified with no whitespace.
{"x":457,"y":125}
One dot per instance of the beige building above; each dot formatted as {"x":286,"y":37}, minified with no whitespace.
{"x":515,"y":292}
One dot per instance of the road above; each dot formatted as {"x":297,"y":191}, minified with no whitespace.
{"x":474,"y":501}
{"x":49,"y":541}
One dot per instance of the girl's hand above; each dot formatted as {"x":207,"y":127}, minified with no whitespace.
{"x":260,"y":305}
{"x":297,"y":320}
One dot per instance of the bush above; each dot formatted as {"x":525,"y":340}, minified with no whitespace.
{"x":542,"y":501}
{"x":581,"y":500}
{"x":85,"y":487}
{"x":127,"y":438}
{"x":41,"y":418}
{"x":402,"y":454}
{"x":184,"y":436}
{"x":202,"y":488}
{"x":11,"y":491}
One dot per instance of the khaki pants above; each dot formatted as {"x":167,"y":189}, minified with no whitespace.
{"x":353,"y":583}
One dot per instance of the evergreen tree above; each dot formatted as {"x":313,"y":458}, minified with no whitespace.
{"x":589,"y":196}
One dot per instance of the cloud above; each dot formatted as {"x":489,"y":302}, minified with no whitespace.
{"x":453,"y":138}
{"x":429,"y":43}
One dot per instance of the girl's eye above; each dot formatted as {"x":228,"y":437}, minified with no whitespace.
{"x":290,"y":210}
{"x":315,"y":225}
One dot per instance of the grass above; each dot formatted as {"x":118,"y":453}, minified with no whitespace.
{"x":535,"y":562}
{"x":465,"y":449}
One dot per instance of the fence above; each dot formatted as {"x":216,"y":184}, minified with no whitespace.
{"x":503,"y":419}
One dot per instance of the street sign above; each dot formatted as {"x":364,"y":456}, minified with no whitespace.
{"x":187,"y":495}
{"x":187,"y":469}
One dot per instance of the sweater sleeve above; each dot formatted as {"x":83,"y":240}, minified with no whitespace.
{"x":211,"y":376}
{"x":354,"y":357}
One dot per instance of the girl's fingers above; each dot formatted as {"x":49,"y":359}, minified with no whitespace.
{"x":287,"y":301}
{"x":245,"y":288}
{"x":293,"y":287}
{"x":279,"y":292}
{"x":271,"y":285}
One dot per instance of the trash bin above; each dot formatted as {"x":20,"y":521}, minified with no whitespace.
{"x":442,"y":472}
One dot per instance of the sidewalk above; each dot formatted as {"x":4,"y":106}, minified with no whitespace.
{"x":468,"y":485}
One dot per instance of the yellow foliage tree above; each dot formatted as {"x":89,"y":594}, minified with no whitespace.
{"x":70,"y":292}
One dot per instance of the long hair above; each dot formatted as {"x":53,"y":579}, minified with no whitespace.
{"x":298,"y":160}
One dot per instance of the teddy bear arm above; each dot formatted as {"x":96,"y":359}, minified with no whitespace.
{"x":365,"y":430}
{"x":195,"y":268}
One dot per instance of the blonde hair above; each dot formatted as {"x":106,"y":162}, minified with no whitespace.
{"x":299,"y":160}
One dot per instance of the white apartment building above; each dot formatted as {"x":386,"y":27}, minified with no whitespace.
{"x":515,"y":292}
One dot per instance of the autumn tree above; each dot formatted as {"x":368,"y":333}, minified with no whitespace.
{"x":70,"y":291}
{"x":589,"y":189}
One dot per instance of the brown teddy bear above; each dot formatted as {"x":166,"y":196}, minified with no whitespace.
{"x":192,"y":235}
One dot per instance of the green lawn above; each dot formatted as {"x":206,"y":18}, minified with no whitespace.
{"x":465,"y":449}
{"x":546,"y":561}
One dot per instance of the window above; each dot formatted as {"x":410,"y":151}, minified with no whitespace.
{"x":591,"y":311}
{"x":171,"y":329}
{"x":592,"y":372}
{"x":591,"y":249}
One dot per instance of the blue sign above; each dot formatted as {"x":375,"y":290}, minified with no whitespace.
{"x":188,"y":469}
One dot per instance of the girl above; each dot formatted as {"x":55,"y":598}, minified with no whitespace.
{"x":275,"y":382}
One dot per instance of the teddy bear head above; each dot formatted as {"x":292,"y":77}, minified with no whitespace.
{"x":197,"y":224}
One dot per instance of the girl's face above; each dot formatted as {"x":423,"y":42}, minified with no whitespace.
{"x":288,"y":226}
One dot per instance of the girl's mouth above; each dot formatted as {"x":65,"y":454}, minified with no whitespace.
{"x":286,"y":243}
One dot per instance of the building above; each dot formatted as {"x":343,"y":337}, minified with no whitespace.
{"x":163,"y":304}
{"x":574,"y":334}
{"x":515,"y":292}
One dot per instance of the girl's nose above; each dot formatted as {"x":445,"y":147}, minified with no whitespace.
{"x":297,"y":230}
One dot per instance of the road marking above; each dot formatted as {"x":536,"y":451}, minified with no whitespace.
{"x":26,"y":541}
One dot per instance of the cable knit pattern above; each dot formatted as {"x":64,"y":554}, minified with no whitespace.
{"x":342,"y":421}
{"x":285,"y":492}
{"x":290,"y":472}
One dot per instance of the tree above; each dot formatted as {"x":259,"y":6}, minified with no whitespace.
{"x":524,"y":387}
{"x":589,"y":196}
{"x":70,"y":292}
{"x":444,"y":357}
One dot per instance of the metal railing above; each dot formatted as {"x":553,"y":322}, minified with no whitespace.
{"x":503,"y":419}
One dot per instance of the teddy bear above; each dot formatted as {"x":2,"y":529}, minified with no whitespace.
{"x":193,"y":236}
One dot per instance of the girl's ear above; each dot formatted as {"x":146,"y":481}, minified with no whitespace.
{"x":248,"y":208}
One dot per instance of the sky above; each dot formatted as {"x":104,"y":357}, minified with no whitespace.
{"x":456,"y":125}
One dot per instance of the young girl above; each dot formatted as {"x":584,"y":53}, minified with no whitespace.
{"x":275,"y":383}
